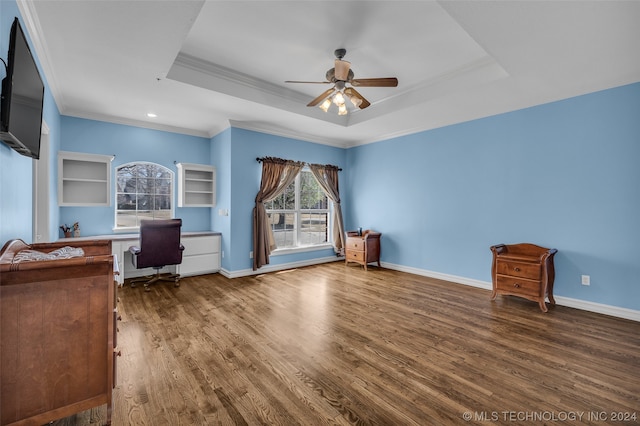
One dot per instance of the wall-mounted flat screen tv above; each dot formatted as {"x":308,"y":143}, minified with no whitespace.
{"x":22,"y":97}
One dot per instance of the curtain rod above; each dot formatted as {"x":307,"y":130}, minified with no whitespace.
{"x":259,"y":160}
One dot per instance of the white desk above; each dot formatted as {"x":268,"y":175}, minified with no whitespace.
{"x":201,"y":253}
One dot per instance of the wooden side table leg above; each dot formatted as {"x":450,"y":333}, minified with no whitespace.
{"x":543,"y":305}
{"x":550,"y":295}
{"x":494,"y":286}
{"x":109,"y":413}
{"x":541,"y":301}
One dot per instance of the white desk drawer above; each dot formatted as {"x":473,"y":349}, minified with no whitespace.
{"x":200,"y":245}
{"x":201,"y":255}
{"x":200,"y":264}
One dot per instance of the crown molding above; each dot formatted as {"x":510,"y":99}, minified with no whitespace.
{"x":35,"y":34}
{"x":263,"y":127}
{"x":232,"y":76}
{"x":142,"y":124}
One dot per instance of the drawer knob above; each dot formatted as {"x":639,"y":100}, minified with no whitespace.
{"x":516,"y":269}
{"x":516,"y":285}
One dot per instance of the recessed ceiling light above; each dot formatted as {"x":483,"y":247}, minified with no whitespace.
{"x":151,"y":115}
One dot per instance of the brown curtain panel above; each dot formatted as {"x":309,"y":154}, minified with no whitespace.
{"x":277,"y":175}
{"x":327,"y":177}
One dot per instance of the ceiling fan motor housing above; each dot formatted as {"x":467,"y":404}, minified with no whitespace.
{"x":331,"y":75}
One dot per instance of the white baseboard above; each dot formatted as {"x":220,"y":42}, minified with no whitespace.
{"x":599,"y":308}
{"x":440,"y":276}
{"x":274,"y":268}
{"x":584,"y":305}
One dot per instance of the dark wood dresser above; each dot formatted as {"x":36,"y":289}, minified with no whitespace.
{"x":363,"y":249}
{"x":58,"y":325}
{"x":524,"y":270}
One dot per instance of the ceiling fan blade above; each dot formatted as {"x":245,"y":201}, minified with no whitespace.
{"x":321,"y":98}
{"x":342,"y":69}
{"x":308,"y":82}
{"x":350,"y":91}
{"x":375,"y":82}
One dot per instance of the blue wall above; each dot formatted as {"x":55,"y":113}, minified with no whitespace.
{"x":130,"y":144}
{"x":246,"y":172}
{"x":233,"y":152}
{"x":220,"y":155}
{"x":562,"y":175}
{"x":16,"y":171}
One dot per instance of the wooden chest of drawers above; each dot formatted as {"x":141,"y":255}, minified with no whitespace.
{"x":363,"y":249}
{"x":524,"y":270}
{"x":59,"y":334}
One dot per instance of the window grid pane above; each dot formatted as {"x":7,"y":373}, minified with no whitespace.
{"x":144,"y":191}
{"x":313,"y":228}
{"x":283,"y":227}
{"x":300,"y":215}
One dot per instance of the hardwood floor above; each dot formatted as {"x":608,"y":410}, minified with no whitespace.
{"x":333,"y":344}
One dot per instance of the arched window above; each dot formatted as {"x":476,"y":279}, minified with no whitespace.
{"x":143,"y":191}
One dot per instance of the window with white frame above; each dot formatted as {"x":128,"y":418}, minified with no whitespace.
{"x":143,"y":191}
{"x":299,"y":217}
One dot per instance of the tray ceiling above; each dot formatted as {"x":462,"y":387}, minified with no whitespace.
{"x":202,"y":66}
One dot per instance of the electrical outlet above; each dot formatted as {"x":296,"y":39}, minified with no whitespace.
{"x":586,"y":280}
{"x":223,"y":254}
{"x":251,"y":255}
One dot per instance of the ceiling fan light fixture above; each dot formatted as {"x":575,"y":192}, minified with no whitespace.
{"x":356,"y":101}
{"x":325,"y":105}
{"x":338,"y":99}
{"x":342,"y":109}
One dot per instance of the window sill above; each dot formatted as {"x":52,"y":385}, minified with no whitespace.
{"x":293,"y":250}
{"x":129,"y":230}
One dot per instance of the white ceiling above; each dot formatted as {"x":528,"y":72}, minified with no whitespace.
{"x":202,"y":66}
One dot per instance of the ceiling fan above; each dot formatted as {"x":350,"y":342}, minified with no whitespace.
{"x":341,"y":75}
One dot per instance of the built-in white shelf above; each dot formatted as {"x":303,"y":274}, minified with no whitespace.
{"x":84,"y":179}
{"x":196,"y":185}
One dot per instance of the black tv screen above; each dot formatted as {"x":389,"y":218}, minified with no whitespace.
{"x":22,"y":97}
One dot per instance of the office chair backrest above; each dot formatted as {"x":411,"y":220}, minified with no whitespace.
{"x":160,"y":243}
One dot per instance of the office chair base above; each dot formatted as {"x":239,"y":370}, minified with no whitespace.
{"x":175,"y":278}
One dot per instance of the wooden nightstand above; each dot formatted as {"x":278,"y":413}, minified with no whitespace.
{"x":523,"y":270}
{"x":363,"y":249}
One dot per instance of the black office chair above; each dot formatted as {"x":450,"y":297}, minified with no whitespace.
{"x":159,"y":247}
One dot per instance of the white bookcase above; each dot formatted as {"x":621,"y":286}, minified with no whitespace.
{"x":196,"y":185}
{"x":84,"y":179}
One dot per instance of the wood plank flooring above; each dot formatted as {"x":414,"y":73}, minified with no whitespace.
{"x":332,"y":344}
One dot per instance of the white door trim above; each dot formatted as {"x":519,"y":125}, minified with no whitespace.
{"x":41,"y":189}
